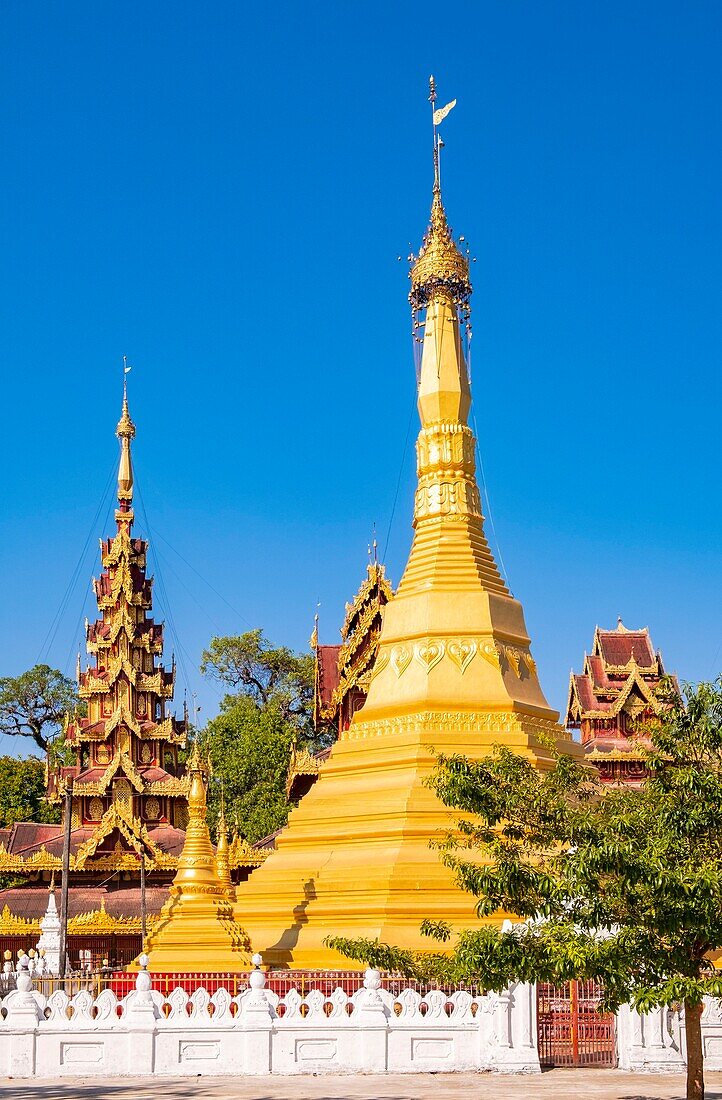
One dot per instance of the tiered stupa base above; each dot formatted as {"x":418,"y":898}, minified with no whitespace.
{"x":198,"y":934}
{"x":355,"y":859}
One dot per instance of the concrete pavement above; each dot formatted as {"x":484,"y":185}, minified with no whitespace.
{"x":557,"y":1084}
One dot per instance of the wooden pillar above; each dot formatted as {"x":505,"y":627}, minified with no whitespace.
{"x":65,"y":881}
{"x":142,"y":899}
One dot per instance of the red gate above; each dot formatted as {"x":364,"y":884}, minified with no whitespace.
{"x":572,"y":1031}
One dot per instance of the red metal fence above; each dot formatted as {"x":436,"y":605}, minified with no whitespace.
{"x":278,"y":981}
{"x":572,"y":1030}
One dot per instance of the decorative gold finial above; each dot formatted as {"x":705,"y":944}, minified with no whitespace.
{"x":126,"y":427}
{"x":439,"y":268}
{"x":125,"y":432}
{"x":197,"y":860}
{"x":223,"y":868}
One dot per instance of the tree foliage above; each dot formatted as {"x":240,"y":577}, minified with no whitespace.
{"x":270,"y":676}
{"x":35,"y":703}
{"x":622,"y":885}
{"x":249,"y":747}
{"x":22,"y":792}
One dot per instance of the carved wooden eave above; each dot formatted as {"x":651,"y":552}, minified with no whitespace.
{"x":119,"y":547}
{"x":632,"y":755}
{"x":633,"y":680}
{"x":575,"y":709}
{"x":130,"y":828}
{"x":241,"y":855}
{"x":123,"y":586}
{"x":154,"y":682}
{"x":122,"y":714}
{"x":97,"y":922}
{"x":121,"y":761}
{"x":40,"y":860}
{"x":376,"y":579}
{"x":360,"y":635}
{"x":120,"y":859}
{"x":172,"y":787}
{"x":302,"y":762}
{"x":166,"y":731}
{"x":10,"y":925}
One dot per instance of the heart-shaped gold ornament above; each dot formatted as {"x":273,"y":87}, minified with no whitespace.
{"x":462,"y":652}
{"x":400,"y":659}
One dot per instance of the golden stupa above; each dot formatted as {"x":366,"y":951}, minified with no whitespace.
{"x":196,"y":930}
{"x":454,"y":674}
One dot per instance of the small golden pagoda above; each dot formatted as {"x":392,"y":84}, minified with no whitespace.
{"x":196,"y":930}
{"x":453,"y":673}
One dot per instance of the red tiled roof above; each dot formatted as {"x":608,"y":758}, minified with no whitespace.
{"x":168,"y":838}
{"x":90,"y":775}
{"x":328,"y":675}
{"x":587,"y":698}
{"x":27,"y":836}
{"x":618,"y":648}
{"x":23,"y":836}
{"x":599,"y":675}
{"x":267,"y":843}
{"x":30,"y":902}
{"x":154,"y":774}
{"x":607,"y":679}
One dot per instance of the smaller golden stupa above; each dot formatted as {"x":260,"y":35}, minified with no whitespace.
{"x":196,"y":930}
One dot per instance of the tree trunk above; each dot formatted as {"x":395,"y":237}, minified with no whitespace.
{"x":695,"y":1055}
{"x":37,"y":735}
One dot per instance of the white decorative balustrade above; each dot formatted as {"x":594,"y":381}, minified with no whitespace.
{"x":257,"y":1032}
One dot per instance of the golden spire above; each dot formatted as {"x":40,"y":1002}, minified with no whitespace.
{"x":196,"y":930}
{"x":440,"y":267}
{"x":125,"y":432}
{"x":196,"y":864}
{"x":223,"y":868}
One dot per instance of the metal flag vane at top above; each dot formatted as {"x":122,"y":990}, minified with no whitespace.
{"x":126,"y":371}
{"x":437,"y":117}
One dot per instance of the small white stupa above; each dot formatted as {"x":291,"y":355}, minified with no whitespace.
{"x":49,"y":941}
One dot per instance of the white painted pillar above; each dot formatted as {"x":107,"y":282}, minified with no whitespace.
{"x":257,"y":1021}
{"x":23,"y":1014}
{"x":649,"y":1042}
{"x":511,"y":1045}
{"x":372,"y":1022}
{"x":140,"y":1021}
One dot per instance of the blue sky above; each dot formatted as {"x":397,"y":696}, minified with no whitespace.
{"x":221,"y":192}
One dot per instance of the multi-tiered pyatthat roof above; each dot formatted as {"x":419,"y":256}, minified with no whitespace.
{"x":128,"y":785}
{"x":622,"y":686}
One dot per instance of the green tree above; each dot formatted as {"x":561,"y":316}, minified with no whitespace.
{"x":35,"y":703}
{"x":621,"y":885}
{"x":22,"y":792}
{"x":269,"y":675}
{"x":249,"y":747}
